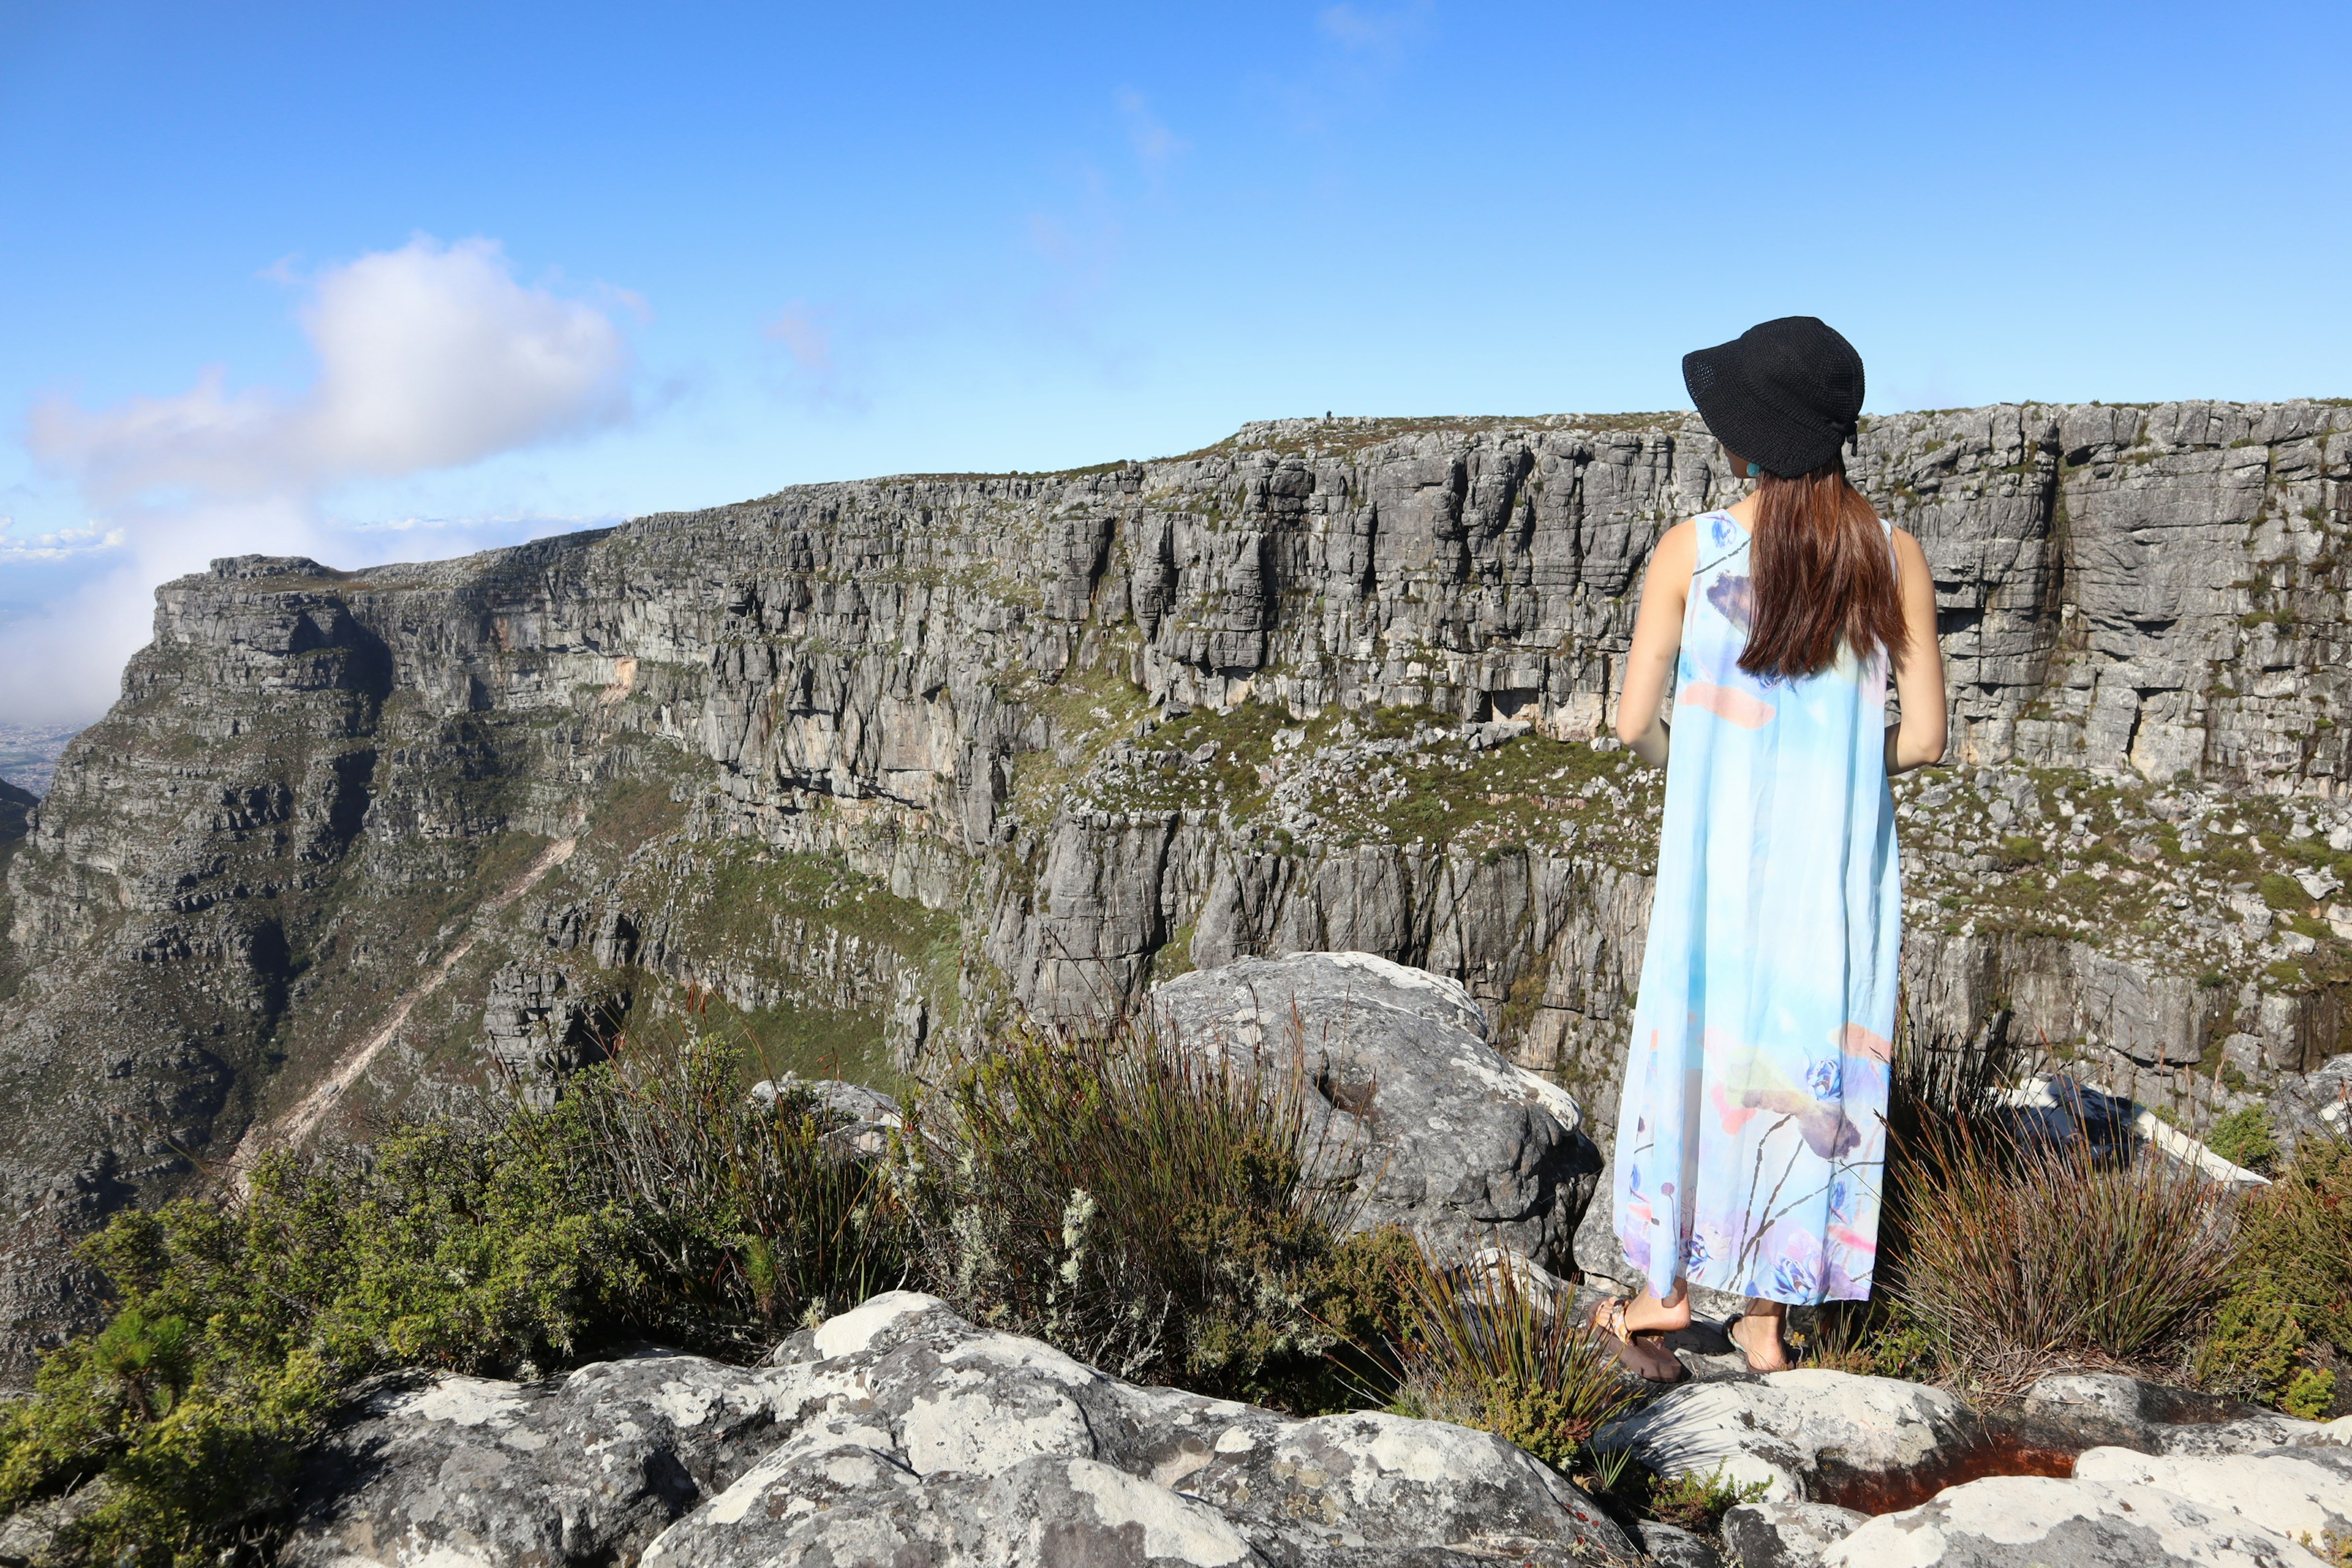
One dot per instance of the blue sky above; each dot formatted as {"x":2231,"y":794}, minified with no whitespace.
{"x":382,"y":282}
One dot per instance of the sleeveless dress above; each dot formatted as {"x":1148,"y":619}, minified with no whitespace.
{"x":1752,"y":1137}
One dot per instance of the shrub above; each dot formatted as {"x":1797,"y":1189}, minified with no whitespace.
{"x":1480,"y":1349}
{"x":1163,"y":1213}
{"x":2021,"y":1255}
{"x":2245,"y":1139}
{"x":1875,"y":1339}
{"x":739,"y":1220}
{"x":2290,"y":1296}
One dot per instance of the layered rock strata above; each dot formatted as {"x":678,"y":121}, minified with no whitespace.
{"x":855,"y":766}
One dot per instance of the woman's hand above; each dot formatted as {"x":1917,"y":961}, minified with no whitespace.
{"x":1657,"y":640}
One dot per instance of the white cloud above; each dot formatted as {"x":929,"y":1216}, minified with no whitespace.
{"x":430,"y":356}
{"x":63,"y":544}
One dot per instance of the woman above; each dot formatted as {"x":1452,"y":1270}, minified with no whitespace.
{"x":1752,"y":1136}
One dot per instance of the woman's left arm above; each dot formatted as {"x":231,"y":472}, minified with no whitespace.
{"x":1657,"y":639}
{"x":1918,"y":741}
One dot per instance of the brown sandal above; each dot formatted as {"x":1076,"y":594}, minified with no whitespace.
{"x":1609,"y":1318}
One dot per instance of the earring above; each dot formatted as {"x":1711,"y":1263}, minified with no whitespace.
{"x":1753,"y":471}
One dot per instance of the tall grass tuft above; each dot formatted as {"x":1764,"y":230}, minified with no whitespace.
{"x":2022,"y":1255}
{"x":1482,"y":1349}
{"x":1162,"y":1211}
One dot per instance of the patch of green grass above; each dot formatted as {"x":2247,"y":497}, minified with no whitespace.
{"x":2245,"y":1139}
{"x":1697,"y":1503}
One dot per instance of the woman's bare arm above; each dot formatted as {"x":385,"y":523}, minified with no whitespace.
{"x":1918,"y":741}
{"x":1657,"y":639}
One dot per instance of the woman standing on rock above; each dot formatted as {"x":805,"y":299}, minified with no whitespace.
{"x":1752,"y":1137}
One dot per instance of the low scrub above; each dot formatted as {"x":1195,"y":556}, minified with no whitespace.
{"x":2285,"y":1325}
{"x":653,"y":1201}
{"x":1163,"y":1213}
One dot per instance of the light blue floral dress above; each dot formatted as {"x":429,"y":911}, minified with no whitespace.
{"x":1752,"y":1137}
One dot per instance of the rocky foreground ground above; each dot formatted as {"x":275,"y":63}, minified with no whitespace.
{"x":899,"y":1433}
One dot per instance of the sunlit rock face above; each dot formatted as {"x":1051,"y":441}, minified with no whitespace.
{"x":899,"y":1433}
{"x":860,"y":766}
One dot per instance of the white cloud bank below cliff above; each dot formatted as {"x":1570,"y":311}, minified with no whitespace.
{"x":429,"y":357}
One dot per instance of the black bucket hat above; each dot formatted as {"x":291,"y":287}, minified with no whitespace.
{"x":1784,"y":395}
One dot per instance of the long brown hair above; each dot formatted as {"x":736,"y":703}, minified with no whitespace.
{"x":1823,"y":576}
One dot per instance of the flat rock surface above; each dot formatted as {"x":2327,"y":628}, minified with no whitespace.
{"x":1775,"y":1533}
{"x":1450,"y":1139}
{"x":2022,"y":1522}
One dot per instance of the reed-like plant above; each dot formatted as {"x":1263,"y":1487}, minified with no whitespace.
{"x":2024,"y":1255}
{"x":1482,"y":1348}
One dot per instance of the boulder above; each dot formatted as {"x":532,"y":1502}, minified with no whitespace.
{"x":1775,"y":1533}
{"x":2317,"y":1104}
{"x":2075,"y":1411}
{"x":1449,"y":1139}
{"x":468,"y":1470}
{"x":1811,"y":1436}
{"x":861,"y":1119}
{"x":899,"y":1432}
{"x":2024,"y":1521}
{"x":1671,"y":1546}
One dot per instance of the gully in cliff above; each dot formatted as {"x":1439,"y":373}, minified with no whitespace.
{"x":1750,"y":1147}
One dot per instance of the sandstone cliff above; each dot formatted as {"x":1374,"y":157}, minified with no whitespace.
{"x":854,"y":764}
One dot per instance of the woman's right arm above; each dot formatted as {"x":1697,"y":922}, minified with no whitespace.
{"x":1657,"y":641}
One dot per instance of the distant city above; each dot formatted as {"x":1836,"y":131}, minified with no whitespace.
{"x":28,"y":754}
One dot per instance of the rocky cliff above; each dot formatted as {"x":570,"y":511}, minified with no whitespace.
{"x":854,"y":765}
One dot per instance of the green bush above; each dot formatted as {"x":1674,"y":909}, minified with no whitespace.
{"x":1157,"y":1211}
{"x":2291,"y":1294}
{"x":1695,"y":1503}
{"x":653,"y":1199}
{"x":2244,"y":1138}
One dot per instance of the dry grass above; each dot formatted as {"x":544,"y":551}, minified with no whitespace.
{"x":2022,"y":1256}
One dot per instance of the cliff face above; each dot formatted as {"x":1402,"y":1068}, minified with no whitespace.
{"x":854,"y":763}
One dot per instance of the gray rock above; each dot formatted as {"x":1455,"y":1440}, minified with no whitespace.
{"x":2316,"y":1104}
{"x":1670,"y":1546}
{"x":587,"y":1470}
{"x":1780,"y":1534}
{"x":29,"y":1538}
{"x":860,"y":1119}
{"x":2296,"y":1491}
{"x":900,"y":1432}
{"x":1811,"y":1435}
{"x":1449,"y":1138}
